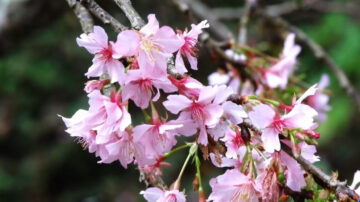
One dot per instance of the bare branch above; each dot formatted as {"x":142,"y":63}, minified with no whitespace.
{"x":104,"y":16}
{"x":341,"y":189}
{"x":83,"y":15}
{"x":201,"y":11}
{"x":136,"y":21}
{"x":244,"y":19}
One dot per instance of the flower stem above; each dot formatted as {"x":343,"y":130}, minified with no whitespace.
{"x":192,"y":151}
{"x":176,"y":149}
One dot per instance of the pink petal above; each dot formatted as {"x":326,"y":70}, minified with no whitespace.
{"x":270,"y":138}
{"x":235,"y":113}
{"x":151,"y":27}
{"x":262,"y":116}
{"x":152,"y":194}
{"x":131,"y":39}
{"x":179,"y":64}
{"x":176,"y":103}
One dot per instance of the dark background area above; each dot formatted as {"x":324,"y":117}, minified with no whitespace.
{"x":42,"y":75}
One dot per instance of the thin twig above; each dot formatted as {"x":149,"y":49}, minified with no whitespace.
{"x":243,"y":23}
{"x":341,"y":189}
{"x":104,"y":16}
{"x":83,"y":15}
{"x":136,"y":21}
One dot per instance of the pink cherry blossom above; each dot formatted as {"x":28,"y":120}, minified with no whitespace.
{"x":157,"y":138}
{"x":205,"y":111}
{"x":104,"y":62}
{"x":308,"y":152}
{"x":187,"y":86}
{"x":268,"y":180}
{"x":278,"y":74}
{"x":233,"y":186}
{"x":188,"y":49}
{"x":265,"y":118}
{"x":92,"y":85}
{"x":125,"y":149}
{"x":156,"y":45}
{"x":139,"y":86}
{"x":319,"y":101}
{"x":154,"y":194}
{"x":294,"y":174}
{"x":356,"y":182}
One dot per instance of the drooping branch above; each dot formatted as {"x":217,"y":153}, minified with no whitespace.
{"x":243,"y":22}
{"x":342,"y":191}
{"x":83,"y":15}
{"x":103,"y":15}
{"x":340,"y":188}
{"x":136,"y":21}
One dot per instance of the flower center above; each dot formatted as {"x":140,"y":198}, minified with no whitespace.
{"x":197,"y":111}
{"x":149,"y":46}
{"x":279,"y":124}
{"x":107,"y":53}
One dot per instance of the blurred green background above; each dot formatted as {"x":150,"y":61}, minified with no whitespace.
{"x":42,"y":75}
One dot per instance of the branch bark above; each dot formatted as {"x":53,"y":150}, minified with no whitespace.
{"x":136,"y":21}
{"x":83,"y":15}
{"x":103,"y":15}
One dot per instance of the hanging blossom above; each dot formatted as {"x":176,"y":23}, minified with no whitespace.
{"x":278,"y":74}
{"x":264,"y":117}
{"x":188,"y":49}
{"x":154,"y":194}
{"x":106,"y":54}
{"x":320,"y":100}
{"x":154,"y":46}
{"x":233,"y":186}
{"x":139,"y":85}
{"x":103,"y":124}
{"x":206,"y":110}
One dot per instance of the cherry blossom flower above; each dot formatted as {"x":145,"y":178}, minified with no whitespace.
{"x":265,"y":118}
{"x":269,"y":182}
{"x":278,"y":74}
{"x":139,"y":87}
{"x":157,"y":138}
{"x":97,"y":43}
{"x":308,"y":152}
{"x":294,"y":174}
{"x":319,"y":101}
{"x":156,"y":45}
{"x":189,"y":47}
{"x":356,"y":182}
{"x":205,"y":111}
{"x":233,"y":186}
{"x":154,"y":194}
{"x":92,"y":85}
{"x":187,"y":86}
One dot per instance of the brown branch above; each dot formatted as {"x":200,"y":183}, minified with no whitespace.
{"x":243,"y":22}
{"x":136,"y":21}
{"x":104,"y":16}
{"x":83,"y":15}
{"x":320,"y":54}
{"x":218,"y":29}
{"x":342,"y":191}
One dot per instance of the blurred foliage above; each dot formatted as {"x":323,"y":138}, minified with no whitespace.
{"x":44,"y":77}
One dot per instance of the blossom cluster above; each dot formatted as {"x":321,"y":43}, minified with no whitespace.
{"x":252,"y":131}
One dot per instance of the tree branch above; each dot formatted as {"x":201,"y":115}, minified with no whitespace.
{"x":136,"y":21}
{"x":104,"y":16}
{"x":342,"y":191}
{"x":83,"y":15}
{"x":243,"y":22}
